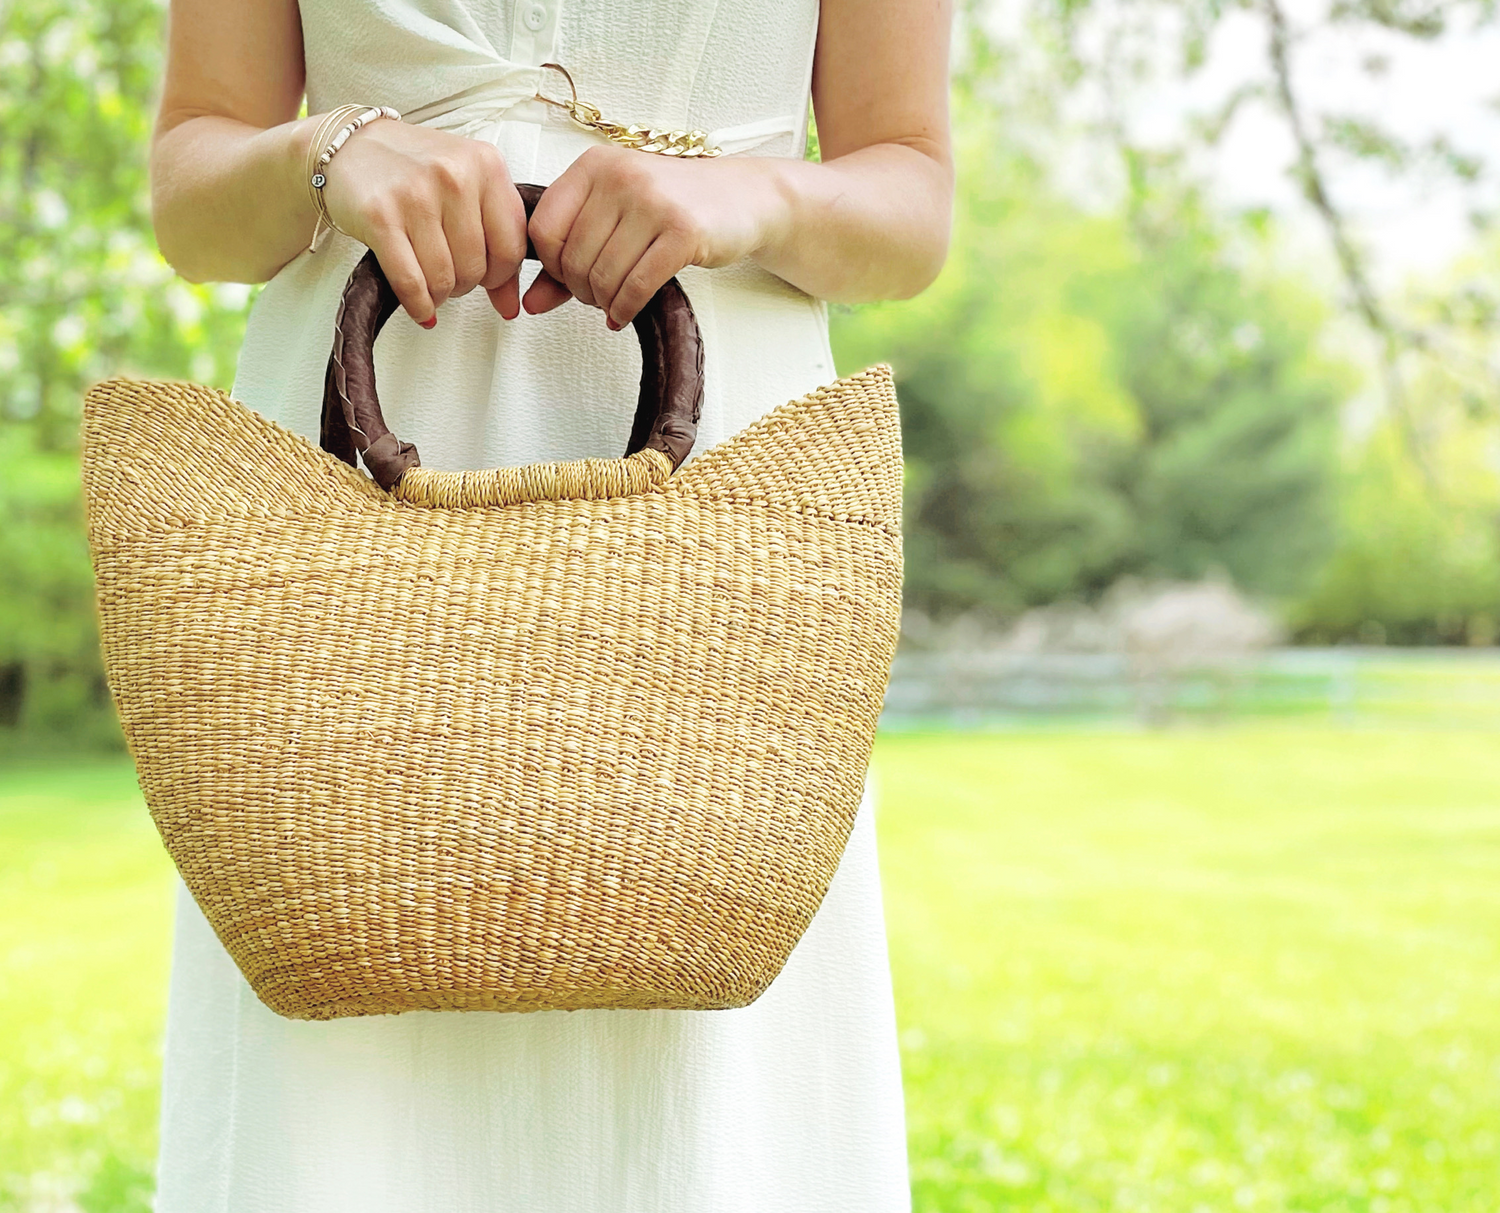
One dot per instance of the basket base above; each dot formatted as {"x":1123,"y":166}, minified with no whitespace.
{"x":397,"y":1002}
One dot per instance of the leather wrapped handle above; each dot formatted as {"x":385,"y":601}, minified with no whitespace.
{"x":666,"y":415}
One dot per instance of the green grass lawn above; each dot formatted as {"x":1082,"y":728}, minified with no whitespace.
{"x":1255,"y":968}
{"x":85,"y":923}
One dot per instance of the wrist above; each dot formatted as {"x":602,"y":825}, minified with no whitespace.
{"x":292,"y":165}
{"x":774,"y":194}
{"x":778,"y":203}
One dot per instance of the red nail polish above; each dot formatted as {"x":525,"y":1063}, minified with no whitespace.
{"x":430,"y":322}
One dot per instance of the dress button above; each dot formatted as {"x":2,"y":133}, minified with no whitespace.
{"x":535,"y":16}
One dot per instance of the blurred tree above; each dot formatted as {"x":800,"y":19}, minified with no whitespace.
{"x":1108,"y":48}
{"x":1235,"y":466}
{"x":83,"y":294}
{"x":1224,"y":453}
{"x":1087,"y":397}
{"x":1408,"y":568}
{"x":1417,"y":559}
{"x":48,"y":676}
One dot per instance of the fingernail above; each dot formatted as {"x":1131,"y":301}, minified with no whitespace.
{"x":609,"y":320}
{"x":430,"y":322}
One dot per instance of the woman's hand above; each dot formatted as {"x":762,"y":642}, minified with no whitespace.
{"x":439,"y":210}
{"x":618,"y":223}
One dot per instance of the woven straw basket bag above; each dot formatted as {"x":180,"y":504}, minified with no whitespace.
{"x":586,"y":734}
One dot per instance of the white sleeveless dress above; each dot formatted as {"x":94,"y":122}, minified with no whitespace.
{"x":790,"y":1105}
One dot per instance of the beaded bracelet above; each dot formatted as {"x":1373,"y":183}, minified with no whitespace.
{"x":321,"y":149}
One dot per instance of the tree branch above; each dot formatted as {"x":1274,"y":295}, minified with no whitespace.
{"x":1392,"y":337}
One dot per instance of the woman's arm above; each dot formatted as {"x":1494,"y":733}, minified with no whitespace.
{"x":226,"y":151}
{"x":229,"y":202}
{"x":870,"y":222}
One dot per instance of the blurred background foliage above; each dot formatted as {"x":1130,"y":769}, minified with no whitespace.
{"x":1142,"y":386}
{"x":83,"y":294}
{"x":1087,"y":397}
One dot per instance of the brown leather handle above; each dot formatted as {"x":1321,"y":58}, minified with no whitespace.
{"x":666,"y":415}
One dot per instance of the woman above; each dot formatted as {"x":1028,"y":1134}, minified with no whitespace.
{"x":790,"y":1105}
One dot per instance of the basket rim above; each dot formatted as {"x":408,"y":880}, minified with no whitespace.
{"x":366,"y":493}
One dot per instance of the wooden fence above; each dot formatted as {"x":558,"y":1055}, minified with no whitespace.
{"x":1430,"y":687}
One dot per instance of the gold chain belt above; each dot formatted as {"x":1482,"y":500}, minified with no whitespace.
{"x":684,"y":144}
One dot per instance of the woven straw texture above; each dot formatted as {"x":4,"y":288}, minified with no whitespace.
{"x":550,"y":737}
